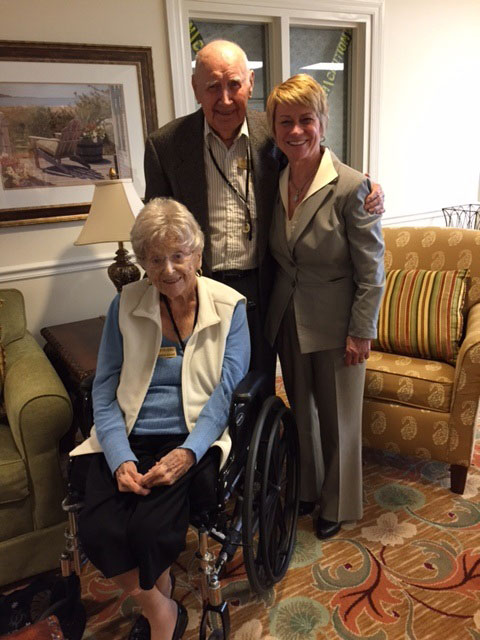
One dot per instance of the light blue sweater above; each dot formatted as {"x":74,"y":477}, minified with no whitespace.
{"x":162,"y":410}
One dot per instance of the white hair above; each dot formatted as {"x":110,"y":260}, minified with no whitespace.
{"x":165,"y":220}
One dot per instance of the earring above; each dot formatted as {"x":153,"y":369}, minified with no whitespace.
{"x":199,"y":272}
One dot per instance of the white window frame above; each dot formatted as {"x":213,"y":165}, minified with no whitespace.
{"x":365,"y":17}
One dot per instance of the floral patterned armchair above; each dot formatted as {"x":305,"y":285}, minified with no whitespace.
{"x":427,"y":407}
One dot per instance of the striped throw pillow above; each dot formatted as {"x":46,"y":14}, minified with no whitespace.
{"x":421,"y":313}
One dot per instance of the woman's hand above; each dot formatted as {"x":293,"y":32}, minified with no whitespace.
{"x":357,"y":350}
{"x":169,"y":468}
{"x":128,"y":479}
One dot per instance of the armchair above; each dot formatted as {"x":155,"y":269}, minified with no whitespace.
{"x":37,"y":413}
{"x":428,"y":407}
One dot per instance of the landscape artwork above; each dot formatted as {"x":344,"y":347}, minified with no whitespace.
{"x":61,"y":135}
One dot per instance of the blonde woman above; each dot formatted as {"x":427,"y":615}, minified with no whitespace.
{"x":325,"y":300}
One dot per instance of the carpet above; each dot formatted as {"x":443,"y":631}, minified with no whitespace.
{"x":409,"y":570}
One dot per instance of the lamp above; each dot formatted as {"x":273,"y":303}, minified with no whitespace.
{"x":115,"y":206}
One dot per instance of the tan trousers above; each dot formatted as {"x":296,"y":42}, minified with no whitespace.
{"x":326,"y":398}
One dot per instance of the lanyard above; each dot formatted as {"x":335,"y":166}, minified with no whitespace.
{"x":247,"y":227}
{"x":167,"y":304}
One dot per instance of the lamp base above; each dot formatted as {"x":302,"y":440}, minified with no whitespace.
{"x":123,"y":270}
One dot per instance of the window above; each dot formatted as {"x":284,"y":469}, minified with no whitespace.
{"x":324,"y":54}
{"x":340,"y":49}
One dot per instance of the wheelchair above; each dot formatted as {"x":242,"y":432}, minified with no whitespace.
{"x":256,"y":510}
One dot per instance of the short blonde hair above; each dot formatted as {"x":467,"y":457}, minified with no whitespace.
{"x":165,"y":220}
{"x":299,"y":89}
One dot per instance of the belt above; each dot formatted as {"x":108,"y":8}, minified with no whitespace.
{"x":233,"y":274}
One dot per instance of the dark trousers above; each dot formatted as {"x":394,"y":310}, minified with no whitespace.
{"x":263,"y":357}
{"x":124,"y":531}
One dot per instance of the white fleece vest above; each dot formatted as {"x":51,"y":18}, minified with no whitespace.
{"x":141,"y":328}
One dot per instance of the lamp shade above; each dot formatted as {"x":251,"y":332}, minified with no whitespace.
{"x":115,"y":206}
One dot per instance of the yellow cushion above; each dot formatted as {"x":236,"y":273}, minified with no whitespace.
{"x":412,"y":432}
{"x":413,"y":382}
{"x":421,"y":313}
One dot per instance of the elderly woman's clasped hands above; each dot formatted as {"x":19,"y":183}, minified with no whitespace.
{"x":166,"y":471}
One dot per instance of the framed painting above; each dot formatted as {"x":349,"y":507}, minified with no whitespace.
{"x":69,"y":115}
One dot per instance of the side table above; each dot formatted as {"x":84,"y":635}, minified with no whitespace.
{"x":72,"y":348}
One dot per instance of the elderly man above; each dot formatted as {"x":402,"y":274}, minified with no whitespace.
{"x":222,"y":164}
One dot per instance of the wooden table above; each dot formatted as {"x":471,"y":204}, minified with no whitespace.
{"x":72,"y":348}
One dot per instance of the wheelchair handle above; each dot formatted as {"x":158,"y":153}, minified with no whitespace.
{"x":249,"y":387}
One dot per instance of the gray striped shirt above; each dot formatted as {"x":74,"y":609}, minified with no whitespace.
{"x":231,"y":248}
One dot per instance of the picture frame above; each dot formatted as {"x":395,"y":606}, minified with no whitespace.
{"x":57,"y":190}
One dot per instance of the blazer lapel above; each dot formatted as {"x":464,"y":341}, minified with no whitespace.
{"x":320,"y":190}
{"x":279,"y":226}
{"x":279,"y":232}
{"x":265,"y":167}
{"x":190,"y":165}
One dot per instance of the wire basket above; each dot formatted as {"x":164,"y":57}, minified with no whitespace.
{"x":465,"y":216}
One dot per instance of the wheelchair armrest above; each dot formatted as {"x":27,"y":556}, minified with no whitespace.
{"x":249,"y":387}
{"x":246,"y":401}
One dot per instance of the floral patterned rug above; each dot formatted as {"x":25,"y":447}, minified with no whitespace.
{"x":409,"y":570}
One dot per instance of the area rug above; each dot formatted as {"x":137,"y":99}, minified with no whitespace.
{"x":409,"y":570}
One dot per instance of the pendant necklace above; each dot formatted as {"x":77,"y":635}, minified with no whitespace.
{"x":299,"y":190}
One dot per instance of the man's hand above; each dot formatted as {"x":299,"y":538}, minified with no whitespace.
{"x":357,"y":350}
{"x":169,"y":468}
{"x":128,"y":479}
{"x":375,"y":200}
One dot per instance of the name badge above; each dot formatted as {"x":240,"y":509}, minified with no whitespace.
{"x":242,"y":163}
{"x":167,"y":352}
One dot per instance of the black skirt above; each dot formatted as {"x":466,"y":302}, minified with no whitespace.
{"x":123,"y":531}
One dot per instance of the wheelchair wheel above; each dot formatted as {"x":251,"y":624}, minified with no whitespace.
{"x":271,"y":493}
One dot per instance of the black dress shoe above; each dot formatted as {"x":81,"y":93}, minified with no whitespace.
{"x":140,"y":629}
{"x":326,"y":528}
{"x":141,"y":626}
{"x":305,"y":508}
{"x":182,"y":621}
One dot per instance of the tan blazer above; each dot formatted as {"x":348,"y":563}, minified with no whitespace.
{"x":332,"y":265}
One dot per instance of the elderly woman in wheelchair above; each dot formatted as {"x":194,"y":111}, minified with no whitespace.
{"x":174,"y":347}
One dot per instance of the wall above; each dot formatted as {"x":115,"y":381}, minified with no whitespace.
{"x":429,"y":131}
{"x":32,"y":256}
{"x":430,"y":127}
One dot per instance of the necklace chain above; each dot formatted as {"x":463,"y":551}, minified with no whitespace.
{"x":298,"y":190}
{"x":172,"y":319}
